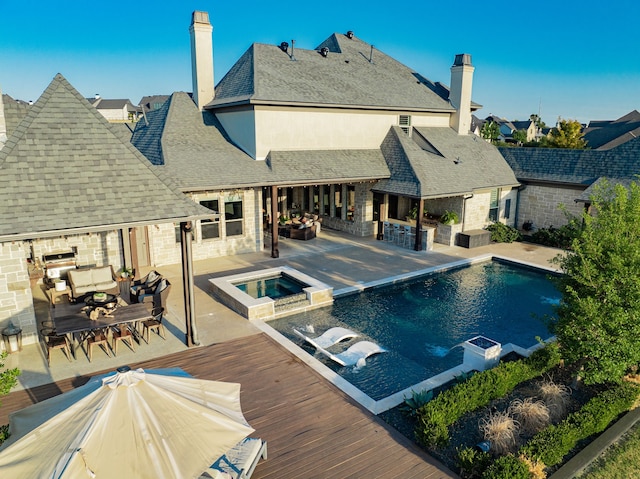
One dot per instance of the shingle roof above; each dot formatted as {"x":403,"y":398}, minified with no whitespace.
{"x":345,"y":77}
{"x":327,"y":166}
{"x":67,"y":169}
{"x":193,"y":148}
{"x":440,"y":163}
{"x":604,"y":135}
{"x":579,"y":167}
{"x":14,"y":112}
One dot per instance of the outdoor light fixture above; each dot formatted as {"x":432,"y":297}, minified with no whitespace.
{"x":12,"y":338}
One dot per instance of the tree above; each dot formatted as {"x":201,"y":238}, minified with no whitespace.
{"x":519,"y":136}
{"x":538,"y":121}
{"x":598,"y":322}
{"x":490,"y":131}
{"x":568,"y":134}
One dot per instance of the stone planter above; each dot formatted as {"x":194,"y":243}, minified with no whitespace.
{"x":447,"y":234}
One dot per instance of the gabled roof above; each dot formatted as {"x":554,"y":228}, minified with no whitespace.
{"x":66,"y":170}
{"x":149,"y":103}
{"x":192,"y":147}
{"x":604,"y":135}
{"x":344,"y":78}
{"x":114,"y":104}
{"x":577,"y":167}
{"x":437,"y":162}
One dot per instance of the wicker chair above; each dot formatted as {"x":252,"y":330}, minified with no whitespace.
{"x":156,"y":296}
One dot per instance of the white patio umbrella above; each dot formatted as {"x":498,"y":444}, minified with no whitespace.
{"x":132,"y":424}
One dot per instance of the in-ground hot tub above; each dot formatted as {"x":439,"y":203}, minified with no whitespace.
{"x":271,"y":293}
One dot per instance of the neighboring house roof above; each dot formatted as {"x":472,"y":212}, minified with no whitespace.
{"x":152,"y":102}
{"x":576,"y":167}
{"x":604,"y":135}
{"x":521,"y":125}
{"x":440,"y":163}
{"x":192,"y":147}
{"x":67,"y":170}
{"x":117,"y":104}
{"x":344,"y":78}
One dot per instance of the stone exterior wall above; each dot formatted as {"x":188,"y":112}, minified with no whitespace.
{"x":476,"y":213}
{"x":540,"y":204}
{"x":16,"y":300}
{"x":164,"y":249}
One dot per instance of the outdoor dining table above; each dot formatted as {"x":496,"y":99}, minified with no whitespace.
{"x":73,"y":319}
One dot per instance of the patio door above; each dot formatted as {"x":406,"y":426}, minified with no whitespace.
{"x":140,"y":247}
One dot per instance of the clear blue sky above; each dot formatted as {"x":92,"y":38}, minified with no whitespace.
{"x":573,"y":59}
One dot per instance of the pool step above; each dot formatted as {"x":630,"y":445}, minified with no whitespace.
{"x":293,"y":301}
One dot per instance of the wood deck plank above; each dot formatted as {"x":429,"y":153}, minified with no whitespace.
{"x":313,"y":430}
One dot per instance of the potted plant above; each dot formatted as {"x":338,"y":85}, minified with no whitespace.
{"x":412,"y":214}
{"x":126,"y":272}
{"x":449,"y":218}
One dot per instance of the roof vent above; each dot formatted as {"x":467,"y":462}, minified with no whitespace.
{"x":350,"y":34}
{"x":284,"y":46}
{"x":324,"y":51}
{"x":462,"y":59}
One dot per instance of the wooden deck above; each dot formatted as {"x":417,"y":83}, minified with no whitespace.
{"x":313,"y":430}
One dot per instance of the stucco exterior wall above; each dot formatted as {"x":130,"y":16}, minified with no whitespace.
{"x":314,"y":128}
{"x":540,"y":204}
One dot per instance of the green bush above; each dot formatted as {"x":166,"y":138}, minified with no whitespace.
{"x":472,"y":462}
{"x":555,"y":442}
{"x":435,"y":417}
{"x":4,"y":433}
{"x":501,"y":233}
{"x":449,"y":218}
{"x":507,"y":467}
{"x":557,"y":237}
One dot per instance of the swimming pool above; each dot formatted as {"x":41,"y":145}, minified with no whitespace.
{"x":424,"y":321}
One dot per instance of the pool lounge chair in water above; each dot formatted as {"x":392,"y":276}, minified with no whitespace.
{"x":354,"y":354}
{"x":330,"y":337}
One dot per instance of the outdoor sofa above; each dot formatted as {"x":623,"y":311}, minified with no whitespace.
{"x":87,"y":280}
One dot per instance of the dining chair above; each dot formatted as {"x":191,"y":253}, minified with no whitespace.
{"x":123,"y":333}
{"x":98,"y":337}
{"x":154,"y":324}
{"x":54,"y":341}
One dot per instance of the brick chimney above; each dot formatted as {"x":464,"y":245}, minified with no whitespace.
{"x":201,"y":59}
{"x":460,"y":93}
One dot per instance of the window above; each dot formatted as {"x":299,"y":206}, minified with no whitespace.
{"x":337,"y":198}
{"x":405,"y":123}
{"x":494,"y":203}
{"x":210,"y":228}
{"x":351,"y":202}
{"x":326,"y":205}
{"x":507,"y":208}
{"x":233,"y":216}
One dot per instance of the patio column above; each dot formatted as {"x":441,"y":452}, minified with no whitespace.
{"x":187,"y":282}
{"x":418,"y":243}
{"x":274,"y":222}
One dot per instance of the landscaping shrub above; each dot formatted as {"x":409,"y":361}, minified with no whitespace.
{"x":4,"y":433}
{"x":552,"y":444}
{"x":556,"y":397}
{"x":557,"y":237}
{"x":501,"y":233}
{"x":501,"y":430}
{"x":446,"y":408}
{"x":472,"y":462}
{"x":507,"y":467}
{"x":532,"y":415}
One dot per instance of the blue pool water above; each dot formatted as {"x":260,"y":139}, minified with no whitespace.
{"x":423,"y":322}
{"x":273,"y":287}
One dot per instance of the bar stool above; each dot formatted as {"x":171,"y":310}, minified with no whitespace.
{"x":387,"y":231}
{"x":409,"y":233}
{"x":398,"y":233}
